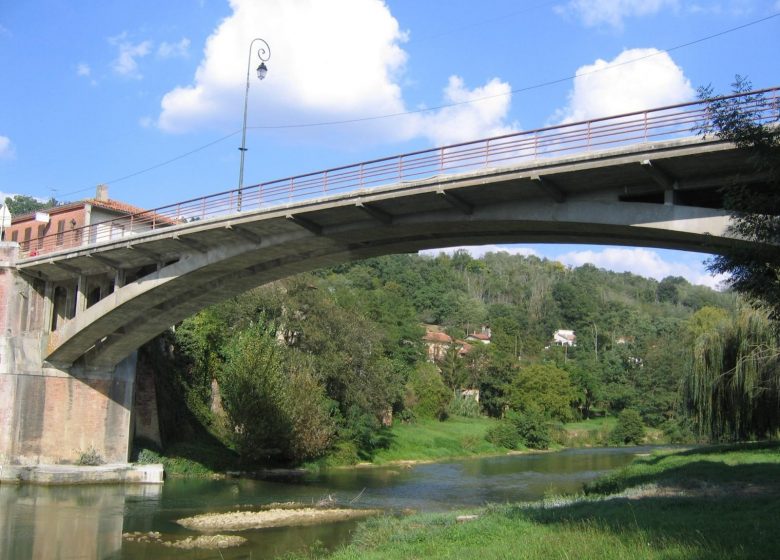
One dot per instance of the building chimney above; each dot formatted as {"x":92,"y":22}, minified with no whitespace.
{"x":102,"y":192}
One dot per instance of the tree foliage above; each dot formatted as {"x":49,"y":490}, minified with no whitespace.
{"x":629,"y":429}
{"x":733,"y":383}
{"x":22,"y":204}
{"x":542,"y":388}
{"x":752,"y":268}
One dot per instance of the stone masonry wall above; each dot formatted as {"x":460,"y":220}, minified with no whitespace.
{"x":49,"y":415}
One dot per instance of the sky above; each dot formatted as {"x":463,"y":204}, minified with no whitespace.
{"x":148,"y":96}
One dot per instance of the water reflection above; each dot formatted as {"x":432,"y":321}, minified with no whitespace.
{"x":88,"y":521}
{"x":65,"y":522}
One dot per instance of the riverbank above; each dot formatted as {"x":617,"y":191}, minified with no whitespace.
{"x":720,"y":502}
{"x":423,"y":441}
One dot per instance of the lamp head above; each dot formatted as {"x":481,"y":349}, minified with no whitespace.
{"x":262,"y":70}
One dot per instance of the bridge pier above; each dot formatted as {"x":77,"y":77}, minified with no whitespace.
{"x":48,"y":414}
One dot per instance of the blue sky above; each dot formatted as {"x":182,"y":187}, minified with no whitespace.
{"x":96,"y":92}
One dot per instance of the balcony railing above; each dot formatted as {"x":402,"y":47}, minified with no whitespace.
{"x":664,"y":123}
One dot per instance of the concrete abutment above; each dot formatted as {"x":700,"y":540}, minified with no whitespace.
{"x":50,"y":414}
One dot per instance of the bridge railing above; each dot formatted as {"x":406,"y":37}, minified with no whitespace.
{"x":663,"y":123}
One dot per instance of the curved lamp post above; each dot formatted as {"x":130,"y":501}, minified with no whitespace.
{"x":263,"y":53}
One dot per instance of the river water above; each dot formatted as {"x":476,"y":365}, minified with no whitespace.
{"x":87,"y":522}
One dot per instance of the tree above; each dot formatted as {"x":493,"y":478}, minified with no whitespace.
{"x":21,"y":204}
{"x":252,"y":387}
{"x":752,"y":269}
{"x":542,"y":387}
{"x":453,"y":369}
{"x":629,"y":429}
{"x":732,"y":387}
{"x":426,"y":394}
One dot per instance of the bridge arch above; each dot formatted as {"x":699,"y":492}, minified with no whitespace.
{"x":661,"y":195}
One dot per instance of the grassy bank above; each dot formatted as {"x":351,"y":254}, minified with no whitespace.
{"x":423,"y":440}
{"x":431,"y":440}
{"x":717,"y":502}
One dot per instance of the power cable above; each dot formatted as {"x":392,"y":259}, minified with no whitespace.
{"x":438,"y":107}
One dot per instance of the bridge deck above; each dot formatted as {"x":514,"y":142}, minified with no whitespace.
{"x":692,"y":168}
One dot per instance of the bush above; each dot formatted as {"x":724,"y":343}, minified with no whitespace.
{"x":426,"y":394}
{"x":504,"y":434}
{"x":532,"y":429}
{"x":629,"y":429}
{"x":90,"y":458}
{"x":678,"y":431}
{"x":148,"y":457}
{"x":466,"y":407}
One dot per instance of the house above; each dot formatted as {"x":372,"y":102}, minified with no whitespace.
{"x":79,"y":223}
{"x":437,"y":343}
{"x":563,"y":337}
{"x":463,"y":347}
{"x":483,"y":336}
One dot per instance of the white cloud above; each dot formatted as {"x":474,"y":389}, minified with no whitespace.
{"x":644,"y":262}
{"x":125,"y":63}
{"x":613,"y":12}
{"x":478,"y":251}
{"x":174,"y":50}
{"x":83,"y":69}
{"x":476,"y":113}
{"x":618,"y":86}
{"x":330,"y":61}
{"x":7,"y":150}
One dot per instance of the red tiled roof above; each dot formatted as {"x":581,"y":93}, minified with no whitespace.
{"x":437,"y":337}
{"x":117,"y":206}
{"x":479,"y":336}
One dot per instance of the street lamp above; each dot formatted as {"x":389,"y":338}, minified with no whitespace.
{"x":263,"y":53}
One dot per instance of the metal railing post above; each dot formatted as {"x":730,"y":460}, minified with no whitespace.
{"x":589,"y":123}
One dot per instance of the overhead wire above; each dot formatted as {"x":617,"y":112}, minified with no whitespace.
{"x":437,"y":107}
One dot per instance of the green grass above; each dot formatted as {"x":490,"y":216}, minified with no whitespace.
{"x":427,"y":440}
{"x":730,"y":510}
{"x":586,"y":433}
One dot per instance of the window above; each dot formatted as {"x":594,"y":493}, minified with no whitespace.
{"x":26,"y":242}
{"x":60,"y":232}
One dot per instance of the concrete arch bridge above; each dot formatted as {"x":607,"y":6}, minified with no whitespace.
{"x":74,"y":315}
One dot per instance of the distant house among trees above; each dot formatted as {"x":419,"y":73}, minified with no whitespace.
{"x":563,"y":337}
{"x":483,"y":336}
{"x":437,"y":343}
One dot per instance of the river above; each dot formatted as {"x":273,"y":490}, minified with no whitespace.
{"x":87,"y":522}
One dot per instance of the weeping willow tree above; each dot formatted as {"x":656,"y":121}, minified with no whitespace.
{"x":732,"y":387}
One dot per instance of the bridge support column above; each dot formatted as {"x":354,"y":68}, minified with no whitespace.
{"x":51,"y":415}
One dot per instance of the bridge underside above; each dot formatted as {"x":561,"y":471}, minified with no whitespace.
{"x":658,"y":195}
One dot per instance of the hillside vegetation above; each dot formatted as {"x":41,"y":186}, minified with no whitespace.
{"x":309,"y":367}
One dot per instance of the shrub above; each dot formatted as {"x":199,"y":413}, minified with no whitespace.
{"x":629,"y":429}
{"x":466,"y":407}
{"x":426,"y":394}
{"x":504,"y":434}
{"x":147,"y":457}
{"x":90,"y":458}
{"x":532,"y":429}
